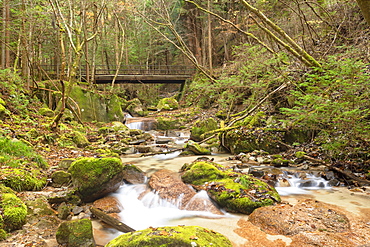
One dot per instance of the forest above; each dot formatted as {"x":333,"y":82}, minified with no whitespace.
{"x":285,"y":81}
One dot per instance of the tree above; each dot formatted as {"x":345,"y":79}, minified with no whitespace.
{"x":71,"y":25}
{"x":365,"y":9}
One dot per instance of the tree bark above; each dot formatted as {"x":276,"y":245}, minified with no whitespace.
{"x":365,"y":9}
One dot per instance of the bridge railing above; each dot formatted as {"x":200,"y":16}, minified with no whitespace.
{"x":144,"y":70}
{"x":131,"y":69}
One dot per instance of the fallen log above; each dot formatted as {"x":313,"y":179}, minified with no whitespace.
{"x":120,"y":226}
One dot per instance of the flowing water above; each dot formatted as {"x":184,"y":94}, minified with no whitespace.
{"x":151,"y":211}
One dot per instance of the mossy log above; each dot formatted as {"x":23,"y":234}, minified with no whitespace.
{"x":120,"y":226}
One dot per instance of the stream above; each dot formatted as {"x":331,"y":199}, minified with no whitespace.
{"x":151,"y":211}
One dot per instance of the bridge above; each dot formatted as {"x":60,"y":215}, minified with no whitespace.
{"x":174,"y":74}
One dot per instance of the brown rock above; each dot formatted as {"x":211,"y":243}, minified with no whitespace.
{"x":306,"y":216}
{"x":108,"y":204}
{"x":133,"y":175}
{"x":169,"y":186}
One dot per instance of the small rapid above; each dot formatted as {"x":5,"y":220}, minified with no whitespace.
{"x":149,"y":210}
{"x":296,"y":184}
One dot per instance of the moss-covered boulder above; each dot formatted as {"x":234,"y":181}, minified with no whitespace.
{"x":2,"y":111}
{"x":79,"y":139}
{"x":60,"y":178}
{"x":246,"y":140}
{"x":95,"y":107}
{"x":165,"y":123}
{"x":202,"y":126}
{"x":22,"y":179}
{"x":46,"y":112}
{"x":114,"y":109}
{"x":76,"y":233}
{"x":196,"y":148}
{"x":235,"y":192}
{"x":14,"y":212}
{"x":134,"y":107}
{"x":184,"y":236}
{"x":167,"y":104}
{"x":94,"y":178}
{"x":133,"y":174}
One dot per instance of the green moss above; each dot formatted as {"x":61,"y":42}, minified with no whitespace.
{"x":76,"y":233}
{"x":115,"y":112}
{"x":235,"y":192}
{"x":89,"y":174}
{"x":300,"y":154}
{"x":164,"y":123}
{"x":3,"y":234}
{"x":202,"y":126}
{"x":46,"y":112}
{"x":196,"y":148}
{"x":2,"y":102}
{"x":39,"y":207}
{"x":20,"y":180}
{"x":184,"y":236}
{"x":168,"y":104}
{"x":14,"y":211}
{"x":14,"y":153}
{"x":245,"y":140}
{"x":79,"y":139}
{"x":2,"y":111}
{"x":201,"y":172}
{"x":60,"y":178}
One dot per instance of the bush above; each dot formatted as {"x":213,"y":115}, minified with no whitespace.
{"x":334,"y":100}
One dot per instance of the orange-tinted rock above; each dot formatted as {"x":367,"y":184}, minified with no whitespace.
{"x":306,"y":216}
{"x":108,"y":204}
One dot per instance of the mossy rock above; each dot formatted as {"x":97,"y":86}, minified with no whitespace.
{"x":246,"y":140}
{"x":236,"y":192}
{"x":2,"y":111}
{"x":76,"y":233}
{"x":94,"y":178}
{"x":21,"y":180}
{"x":133,"y":174}
{"x":46,"y":112}
{"x":134,"y":107}
{"x":2,"y":102}
{"x":168,"y":104}
{"x":164,"y":123}
{"x":202,"y":126}
{"x":39,"y":208}
{"x":14,"y":211}
{"x":79,"y":139}
{"x":3,"y":234}
{"x":119,"y":126}
{"x":114,"y":108}
{"x":196,"y":149}
{"x":200,"y":172}
{"x":66,"y":163}
{"x":179,"y":236}
{"x":60,"y":178}
{"x":33,"y":134}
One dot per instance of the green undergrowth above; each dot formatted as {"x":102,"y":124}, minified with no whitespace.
{"x":16,"y":154}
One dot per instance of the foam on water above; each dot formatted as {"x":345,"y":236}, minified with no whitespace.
{"x":301,"y":185}
{"x":150,"y":210}
{"x":167,"y":156}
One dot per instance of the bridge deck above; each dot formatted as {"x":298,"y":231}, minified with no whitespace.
{"x":136,"y":73}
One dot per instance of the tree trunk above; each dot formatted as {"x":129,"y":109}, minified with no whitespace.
{"x":365,"y":9}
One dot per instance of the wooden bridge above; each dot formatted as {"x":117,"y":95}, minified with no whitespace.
{"x":177,"y":74}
